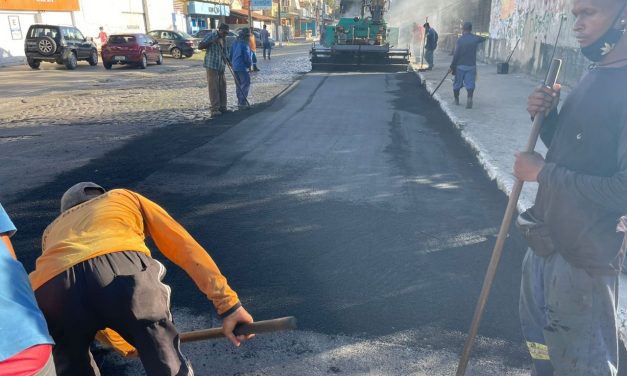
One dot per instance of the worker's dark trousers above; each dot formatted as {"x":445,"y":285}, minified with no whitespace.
{"x":568,"y":318}
{"x":121,"y":291}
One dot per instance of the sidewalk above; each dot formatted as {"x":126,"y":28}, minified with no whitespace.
{"x":496,"y":127}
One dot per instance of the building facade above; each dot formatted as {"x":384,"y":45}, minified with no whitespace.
{"x":16,"y":16}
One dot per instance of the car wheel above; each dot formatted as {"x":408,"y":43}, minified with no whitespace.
{"x":176,"y":53}
{"x":93,"y":58}
{"x":143,"y":63}
{"x":107,"y":65}
{"x":33,"y":63}
{"x":160,"y":59}
{"x":70,"y":60}
{"x":46,"y":46}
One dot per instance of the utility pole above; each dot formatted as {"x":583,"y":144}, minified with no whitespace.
{"x":146,"y":16}
{"x":250,"y":15}
{"x":278,"y":25}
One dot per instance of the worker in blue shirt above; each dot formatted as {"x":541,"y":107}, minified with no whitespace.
{"x":241,"y":59}
{"x":464,"y":65}
{"x":25,"y":345}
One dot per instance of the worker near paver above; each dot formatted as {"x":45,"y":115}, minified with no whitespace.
{"x":464,"y":64}
{"x":431,"y":44}
{"x":25,"y":345}
{"x":418,"y":35}
{"x":215,"y":44}
{"x":241,"y":59}
{"x":570,"y":274}
{"x":96,"y":272}
{"x":264,"y":34}
{"x":252,"y":43}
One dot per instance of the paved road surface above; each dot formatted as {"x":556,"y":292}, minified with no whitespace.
{"x":350,"y":203}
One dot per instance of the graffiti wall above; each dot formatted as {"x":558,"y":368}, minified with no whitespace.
{"x":540,"y":19}
{"x":528,"y":30}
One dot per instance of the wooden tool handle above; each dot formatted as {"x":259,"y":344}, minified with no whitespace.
{"x":549,"y":81}
{"x":267,"y":326}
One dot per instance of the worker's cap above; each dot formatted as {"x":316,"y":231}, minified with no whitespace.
{"x":79,"y":193}
{"x":467,"y":26}
{"x":244,"y":33}
{"x":223,"y":27}
{"x":426,"y":25}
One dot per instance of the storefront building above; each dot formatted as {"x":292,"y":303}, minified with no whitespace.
{"x":16,"y":16}
{"x":205,"y":15}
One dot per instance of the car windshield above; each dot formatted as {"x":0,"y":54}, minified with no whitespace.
{"x":185,"y":35}
{"x":121,"y":39}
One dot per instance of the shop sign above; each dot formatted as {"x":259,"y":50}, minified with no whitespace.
{"x":58,"y":5}
{"x":14,"y":26}
{"x":261,"y":4}
{"x":209,"y":9}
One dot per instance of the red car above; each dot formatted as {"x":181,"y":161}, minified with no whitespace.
{"x":136,"y":49}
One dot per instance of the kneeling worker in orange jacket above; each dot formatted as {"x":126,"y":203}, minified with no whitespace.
{"x":96,"y":275}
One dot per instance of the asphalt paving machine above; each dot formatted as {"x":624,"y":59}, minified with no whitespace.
{"x":360,"y":42}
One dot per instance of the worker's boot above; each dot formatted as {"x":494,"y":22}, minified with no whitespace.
{"x":456,"y":95}
{"x":469,"y":99}
{"x":255,"y":69}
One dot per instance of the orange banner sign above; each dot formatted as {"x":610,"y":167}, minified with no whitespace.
{"x":58,"y":5}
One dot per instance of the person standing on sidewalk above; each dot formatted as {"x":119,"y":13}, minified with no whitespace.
{"x":241,"y":59}
{"x":252,"y":43}
{"x":214,"y":63}
{"x":569,"y":287}
{"x":430,"y":45}
{"x":25,"y":345}
{"x":264,"y":34}
{"x":96,"y":274}
{"x":464,"y":64}
{"x":103,"y":37}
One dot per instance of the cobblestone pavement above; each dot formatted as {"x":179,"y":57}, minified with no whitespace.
{"x":176,"y":93}
{"x":53,"y":120}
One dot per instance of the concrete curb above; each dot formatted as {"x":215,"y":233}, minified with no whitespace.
{"x":490,"y":169}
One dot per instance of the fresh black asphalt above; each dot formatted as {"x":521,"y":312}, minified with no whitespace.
{"x":350,"y":202}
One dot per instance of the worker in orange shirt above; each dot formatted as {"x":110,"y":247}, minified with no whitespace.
{"x":96,"y":275}
{"x":253,"y":51}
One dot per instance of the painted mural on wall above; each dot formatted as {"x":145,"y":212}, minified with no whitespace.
{"x":513,"y":19}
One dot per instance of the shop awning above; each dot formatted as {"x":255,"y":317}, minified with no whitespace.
{"x":243,"y":13}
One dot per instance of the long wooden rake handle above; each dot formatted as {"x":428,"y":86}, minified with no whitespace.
{"x":267,"y":326}
{"x":550,"y":80}
{"x":440,"y":84}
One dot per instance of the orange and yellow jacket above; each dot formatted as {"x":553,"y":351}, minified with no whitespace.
{"x":252,"y":42}
{"x":117,"y":221}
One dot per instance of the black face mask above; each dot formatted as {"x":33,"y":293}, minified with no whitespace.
{"x":606,"y":43}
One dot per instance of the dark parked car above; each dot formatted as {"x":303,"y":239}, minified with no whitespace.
{"x":58,"y":44}
{"x":258,"y":38}
{"x":136,"y":49}
{"x":175,"y":43}
{"x":230,"y":38}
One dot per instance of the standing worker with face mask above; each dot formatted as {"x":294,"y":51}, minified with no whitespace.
{"x":570,"y":273}
{"x":215,"y":65}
